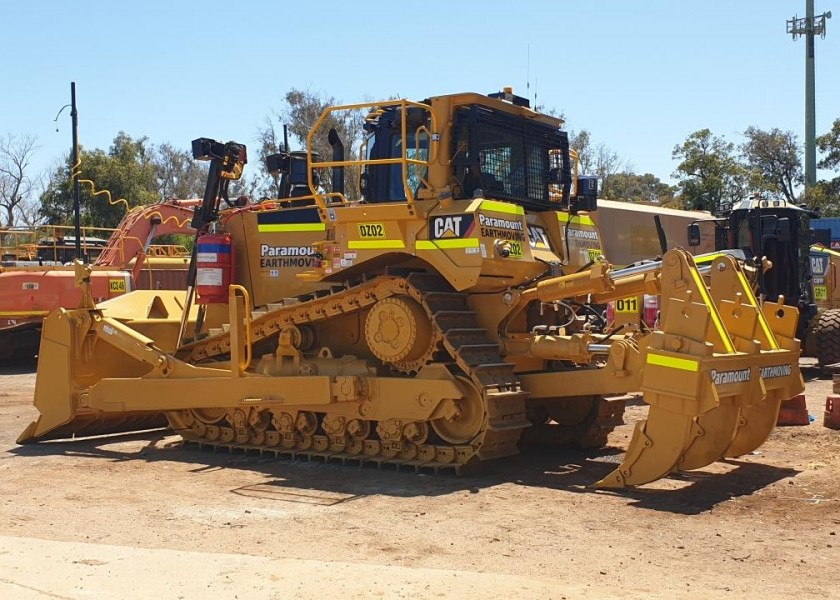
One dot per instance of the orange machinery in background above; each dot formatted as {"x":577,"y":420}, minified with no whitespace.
{"x":35,"y":279}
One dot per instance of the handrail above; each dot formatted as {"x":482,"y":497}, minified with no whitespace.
{"x":232,"y":290}
{"x":404,"y":161}
{"x":51,"y":238}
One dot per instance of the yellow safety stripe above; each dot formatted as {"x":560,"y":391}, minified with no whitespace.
{"x":704,"y":259}
{"x":671,"y":362}
{"x":577,"y":219}
{"x":502,"y":207}
{"x":375,"y":244}
{"x":724,"y":336}
{"x":765,"y":327}
{"x":824,"y":250}
{"x":24,"y":313}
{"x":446,"y":244}
{"x":286,"y":227}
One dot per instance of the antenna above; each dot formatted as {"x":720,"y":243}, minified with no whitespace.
{"x":528,"y":74}
{"x":809,"y":27}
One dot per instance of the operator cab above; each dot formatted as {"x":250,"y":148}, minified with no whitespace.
{"x":510,"y":157}
{"x":384,"y":141}
{"x":772,"y":229}
{"x":779,"y":231}
{"x":494,"y":153}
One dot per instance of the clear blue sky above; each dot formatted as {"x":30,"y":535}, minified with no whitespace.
{"x":640,"y":76}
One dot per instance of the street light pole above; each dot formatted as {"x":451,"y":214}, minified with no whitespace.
{"x":809,"y":27}
{"x":74,"y":114}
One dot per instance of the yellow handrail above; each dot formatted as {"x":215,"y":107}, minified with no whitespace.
{"x":232,"y":290}
{"x":404,"y":161}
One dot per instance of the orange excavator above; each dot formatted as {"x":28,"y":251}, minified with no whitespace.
{"x":128,"y":261}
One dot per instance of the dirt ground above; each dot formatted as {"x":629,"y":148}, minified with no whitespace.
{"x":141,"y":516}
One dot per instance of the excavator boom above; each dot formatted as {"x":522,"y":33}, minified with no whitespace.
{"x":28,"y":294}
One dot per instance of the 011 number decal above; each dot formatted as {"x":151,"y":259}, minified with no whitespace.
{"x":627,"y":305}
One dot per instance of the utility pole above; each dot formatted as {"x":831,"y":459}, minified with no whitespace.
{"x":809,"y":27}
{"x":74,"y":115}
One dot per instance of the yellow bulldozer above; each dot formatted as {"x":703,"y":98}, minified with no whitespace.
{"x":450,"y":310}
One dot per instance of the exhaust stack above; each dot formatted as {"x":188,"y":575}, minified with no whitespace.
{"x":338,"y":155}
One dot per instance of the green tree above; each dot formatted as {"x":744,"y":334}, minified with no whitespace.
{"x":829,"y":145}
{"x":581,"y":142}
{"x":709,"y":171}
{"x":126,"y":171}
{"x":773,"y":159}
{"x":595,"y":159}
{"x":825,"y":195}
{"x":299,"y":113}
{"x":178,"y":174}
{"x":630,"y":187}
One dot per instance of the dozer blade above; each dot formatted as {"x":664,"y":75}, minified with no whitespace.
{"x":64,"y":413}
{"x":704,"y":374}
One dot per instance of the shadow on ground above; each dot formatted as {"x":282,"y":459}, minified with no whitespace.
{"x":329,"y":483}
{"x":18,"y":367}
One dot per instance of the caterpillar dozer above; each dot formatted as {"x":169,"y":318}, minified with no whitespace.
{"x":450,"y":310}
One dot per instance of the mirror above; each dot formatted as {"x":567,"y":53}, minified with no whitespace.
{"x":583,"y":204}
{"x":768,"y":226}
{"x":783,"y":230}
{"x":694,"y":235}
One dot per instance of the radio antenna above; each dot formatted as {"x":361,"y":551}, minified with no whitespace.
{"x":528,"y":74}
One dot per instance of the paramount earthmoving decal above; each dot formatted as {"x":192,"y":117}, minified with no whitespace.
{"x":583,"y":242}
{"x":724,"y":377}
{"x":742,"y":375}
{"x":284,"y":257}
{"x":774,"y":371}
{"x":501,"y":229}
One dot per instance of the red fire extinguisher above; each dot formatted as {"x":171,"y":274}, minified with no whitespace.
{"x":214,"y":267}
